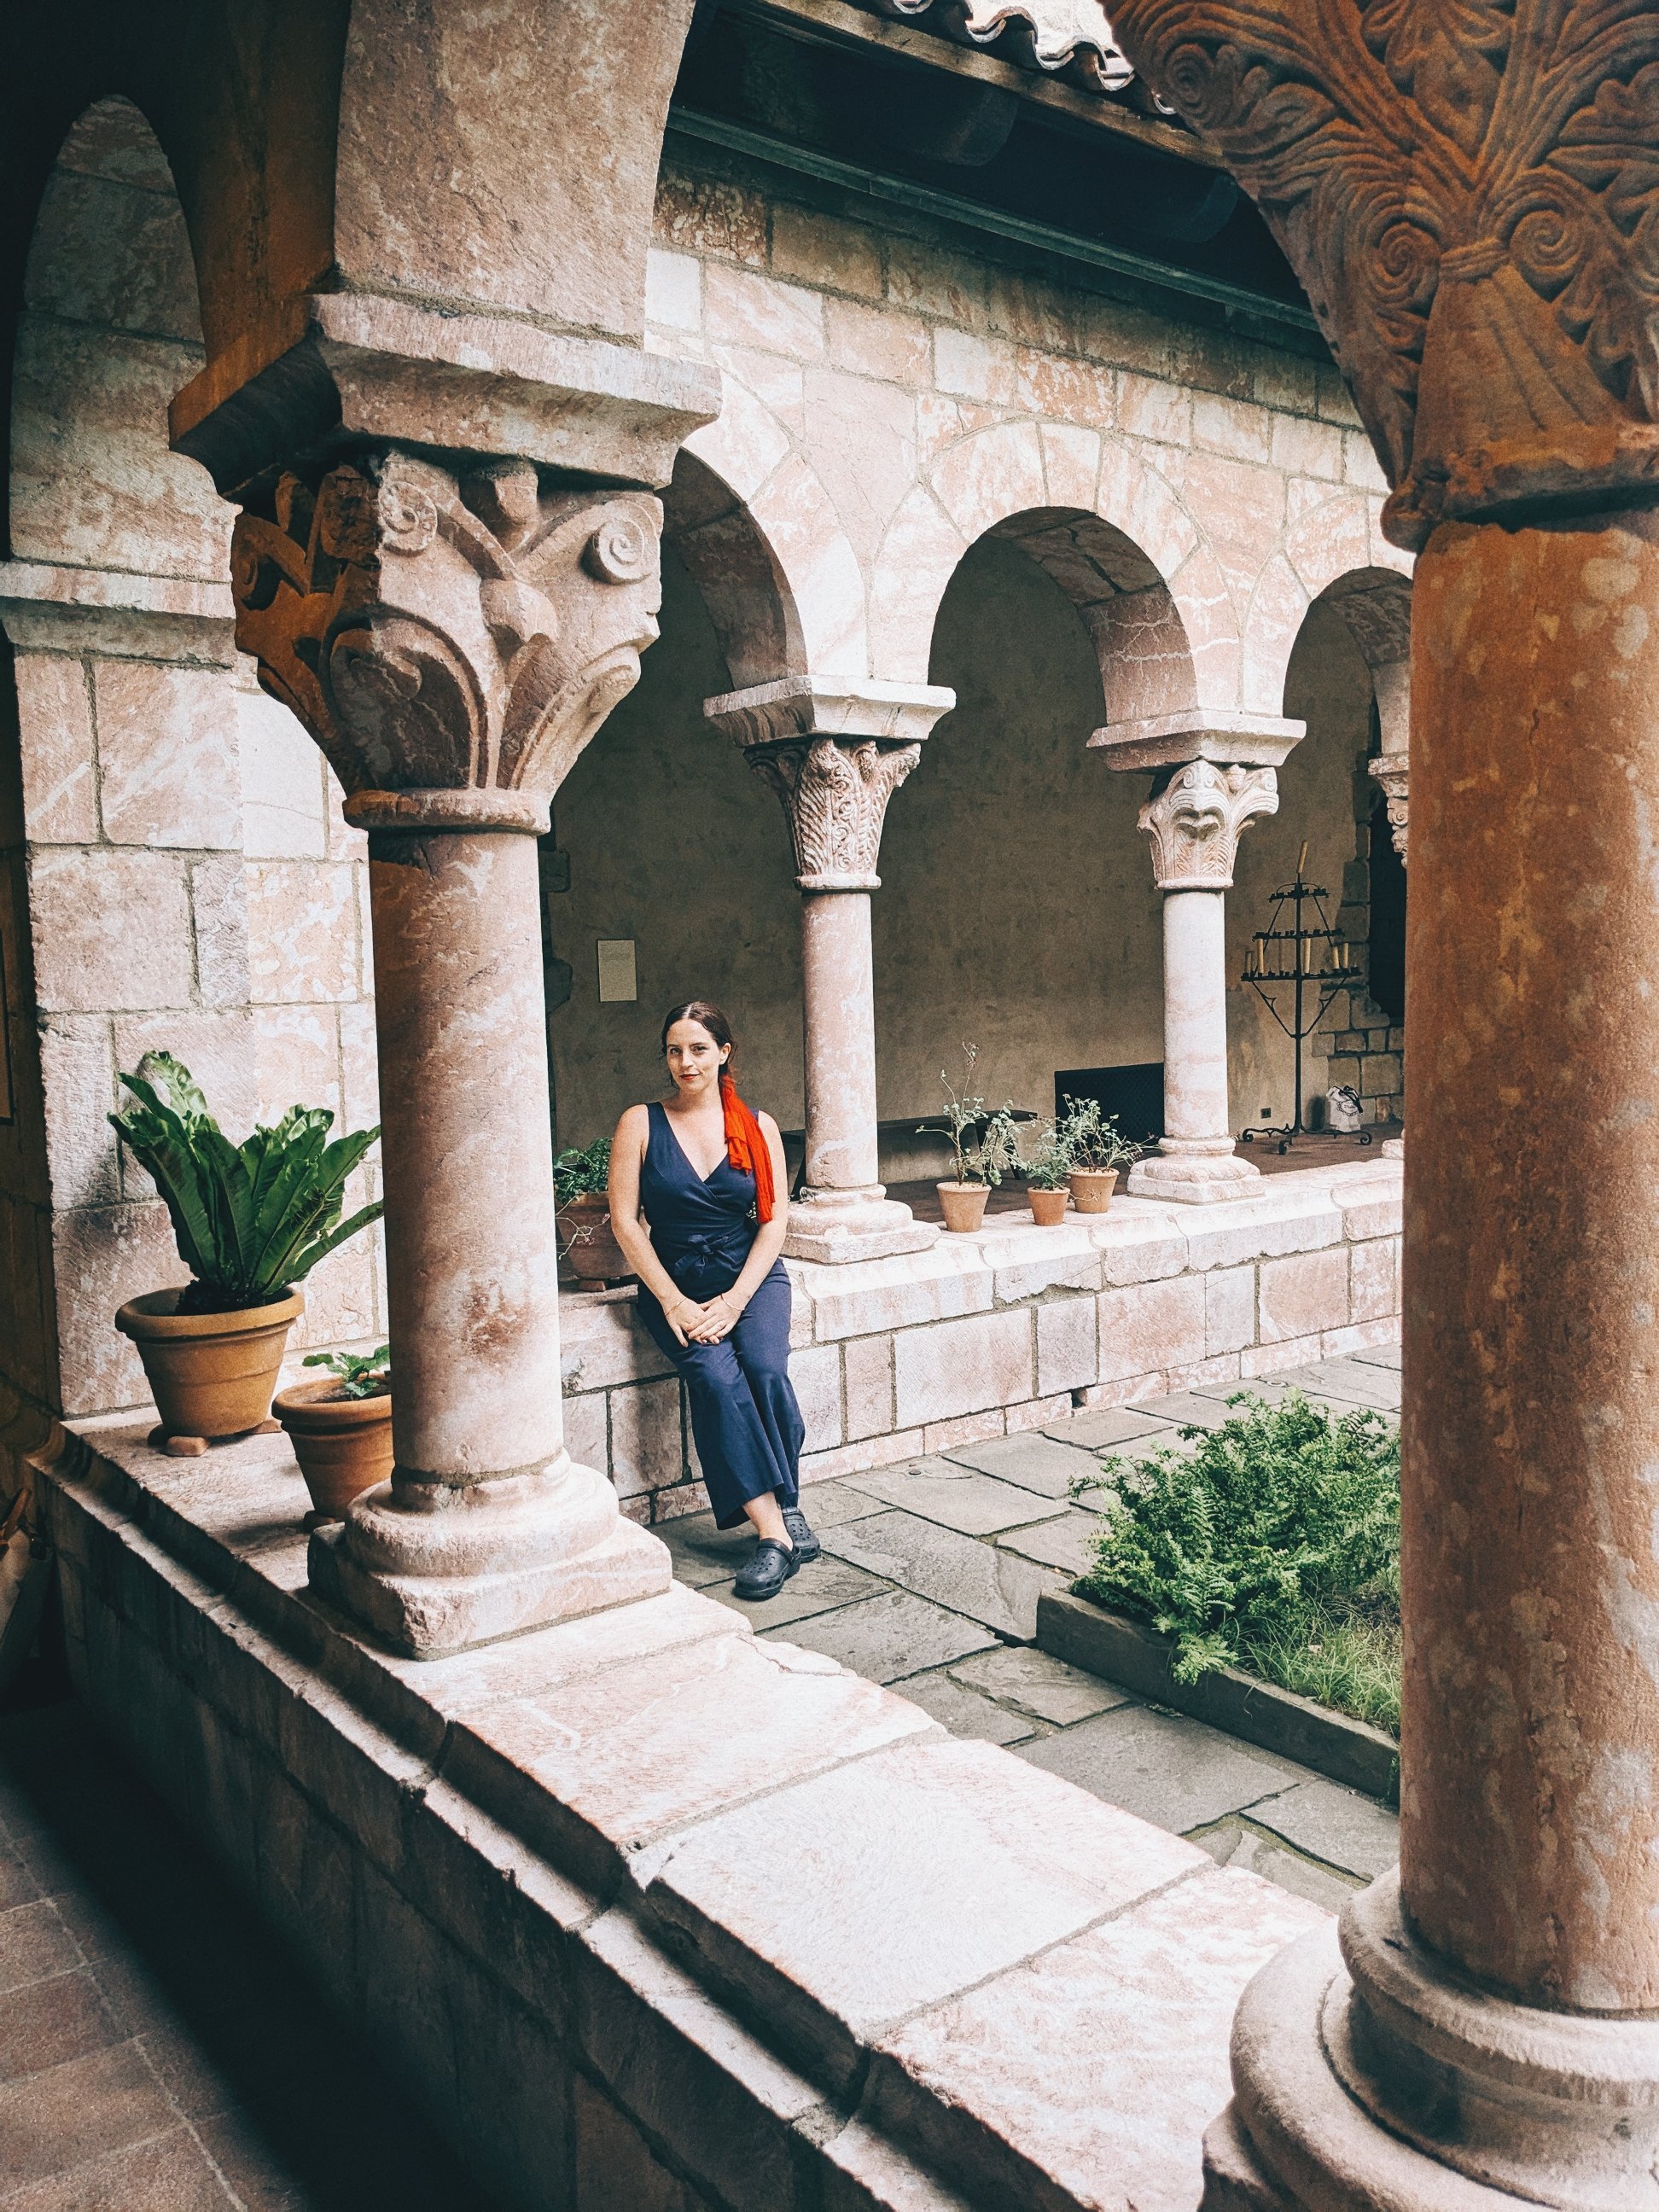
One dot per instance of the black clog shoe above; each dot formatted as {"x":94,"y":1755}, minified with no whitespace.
{"x":765,"y":1575}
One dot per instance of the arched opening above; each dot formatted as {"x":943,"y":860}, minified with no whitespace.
{"x":1019,"y":911}
{"x":190,"y":884}
{"x":1346,"y":678}
{"x":667,"y":843}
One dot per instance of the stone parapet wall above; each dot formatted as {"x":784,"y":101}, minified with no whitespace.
{"x":1015,"y":1327}
{"x":528,"y":1875}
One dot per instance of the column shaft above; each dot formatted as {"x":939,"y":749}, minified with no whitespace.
{"x":1195,"y":1100}
{"x":471,"y":1260}
{"x":1531,"y":1436}
{"x":838,"y":1023}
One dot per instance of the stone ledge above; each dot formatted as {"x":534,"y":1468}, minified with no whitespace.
{"x":537,"y":1862}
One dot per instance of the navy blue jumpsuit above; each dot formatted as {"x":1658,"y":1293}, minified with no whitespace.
{"x":744,"y":1415}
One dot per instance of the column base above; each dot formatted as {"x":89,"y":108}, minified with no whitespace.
{"x":433,"y":1570}
{"x":1194,"y":1176}
{"x":1394,"y":1148}
{"x":835,"y":1227}
{"x":1387,"y":2082}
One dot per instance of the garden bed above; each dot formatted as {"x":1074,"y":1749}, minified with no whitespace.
{"x":1137,"y":1658}
{"x":1254,"y":1582}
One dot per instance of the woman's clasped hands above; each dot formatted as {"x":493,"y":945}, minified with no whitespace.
{"x":703,"y":1324}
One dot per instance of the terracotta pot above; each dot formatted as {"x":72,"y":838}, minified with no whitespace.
{"x":587,"y":1242}
{"x":1049,"y":1206}
{"x":964,"y":1206}
{"x":344,"y":1445}
{"x":1092,"y":1188}
{"x":210,"y":1375}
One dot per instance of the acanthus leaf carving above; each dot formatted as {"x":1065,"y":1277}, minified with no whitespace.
{"x":435,"y":631}
{"x":835,"y":792}
{"x":1469,"y":190}
{"x":1195,"y":818}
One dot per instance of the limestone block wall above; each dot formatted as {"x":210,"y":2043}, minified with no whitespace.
{"x":984,"y":1336}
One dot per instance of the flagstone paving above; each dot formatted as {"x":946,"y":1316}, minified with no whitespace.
{"x":929,"y":1582}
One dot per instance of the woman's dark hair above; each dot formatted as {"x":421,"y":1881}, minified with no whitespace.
{"x":711,"y":1018}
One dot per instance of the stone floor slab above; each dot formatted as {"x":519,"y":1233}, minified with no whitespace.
{"x":1382,"y":1355}
{"x":1034,"y":1459}
{"x":888,"y":1637}
{"x":826,"y":1504}
{"x":171,"y":2174}
{"x":1037,"y":1683}
{"x":106,"y":2101}
{"x":1351,"y":1378}
{"x":967,"y":1712}
{"x":33,"y":1943}
{"x":64,"y":2017}
{"x":995,"y":1587}
{"x":913,"y":1875}
{"x":703,"y":1553}
{"x":1106,"y":1428}
{"x":1236,"y":1842}
{"x":1143,"y":2005}
{"x":959,"y":1497}
{"x":1067,"y":1544}
{"x":821,"y":1586}
{"x":1339,"y":1826}
{"x":1187,"y":1409}
{"x":1167,"y":1768}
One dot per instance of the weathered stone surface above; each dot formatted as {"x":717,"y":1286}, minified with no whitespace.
{"x":86,"y":956}
{"x":1039,"y":1684}
{"x":1116,"y":2125}
{"x":965,"y":1712}
{"x":1067,"y":1543}
{"x":960,"y":1869}
{"x":1172,"y":1772}
{"x":1037,"y":1461}
{"x":819,"y":1587}
{"x":166,"y":755}
{"x":985,"y":1585}
{"x":1238,"y":1842}
{"x":886,"y":1638}
{"x":962,"y":1367}
{"x":957,"y":1497}
{"x":1336,"y":1824}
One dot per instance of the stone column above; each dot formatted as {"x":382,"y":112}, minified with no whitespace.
{"x":1210,"y":783}
{"x":1484,"y":2028}
{"x":452,"y":640}
{"x":1392,"y":768}
{"x":835,"y":751}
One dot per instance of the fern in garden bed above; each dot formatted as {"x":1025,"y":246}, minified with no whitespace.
{"x":1273,"y":1546}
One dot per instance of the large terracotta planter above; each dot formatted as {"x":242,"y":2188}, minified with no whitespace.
{"x":587,"y":1240}
{"x":964,"y":1206}
{"x":344,"y":1445}
{"x":1049,"y":1206}
{"x":210,"y":1375}
{"x":1092,"y":1188}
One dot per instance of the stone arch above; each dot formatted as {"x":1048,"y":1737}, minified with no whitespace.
{"x":1339,"y":538}
{"x":789,"y":513}
{"x":734,"y":566}
{"x":1109,"y":530}
{"x":1375,"y":606}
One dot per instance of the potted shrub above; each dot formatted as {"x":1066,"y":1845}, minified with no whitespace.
{"x":586,"y":1243}
{"x":340,"y":1429}
{"x":1048,"y":1167}
{"x":983,"y":1147}
{"x":251,"y":1221}
{"x":1098,"y":1150}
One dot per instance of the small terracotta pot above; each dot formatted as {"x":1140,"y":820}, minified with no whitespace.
{"x":210,"y":1375}
{"x":1049,"y":1206}
{"x":587,"y":1242}
{"x":1092,"y":1188}
{"x":964,"y":1206}
{"x":344,"y":1445}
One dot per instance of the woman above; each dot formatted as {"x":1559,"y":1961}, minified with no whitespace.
{"x":686,"y":1177}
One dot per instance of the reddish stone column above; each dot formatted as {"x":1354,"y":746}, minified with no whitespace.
{"x":1458,"y":197}
{"x":835,"y":751}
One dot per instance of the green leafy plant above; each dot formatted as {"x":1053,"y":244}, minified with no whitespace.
{"x":252,"y":1219}
{"x":580,"y":1170}
{"x":1093,"y":1139}
{"x":362,"y":1374}
{"x":1050,"y":1160}
{"x":1274,"y":1545}
{"x":984,"y":1145}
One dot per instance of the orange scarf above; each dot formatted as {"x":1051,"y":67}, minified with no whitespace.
{"x":747,"y":1150}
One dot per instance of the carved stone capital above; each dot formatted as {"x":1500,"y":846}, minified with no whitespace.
{"x":443,"y":632}
{"x":1394,"y":773}
{"x":835,"y":792}
{"x":1467,"y":193}
{"x":1196,"y":819}
{"x":835,"y":749}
